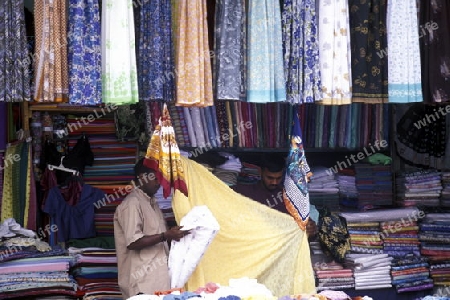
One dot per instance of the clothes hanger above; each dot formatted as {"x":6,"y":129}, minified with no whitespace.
{"x":62,"y":168}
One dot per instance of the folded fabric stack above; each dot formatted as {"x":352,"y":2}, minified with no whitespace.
{"x":370,"y":271}
{"x":419,"y":188}
{"x":434,"y":236}
{"x":323,"y":189}
{"x":348,"y":195}
{"x":400,"y":238}
{"x":365,"y":237}
{"x":95,"y":271}
{"x":374,"y":185}
{"x":411,"y":273}
{"x":333,"y":276}
{"x":228,"y":172}
{"x":249,"y":173}
{"x":445,"y":193}
{"x":440,"y":273}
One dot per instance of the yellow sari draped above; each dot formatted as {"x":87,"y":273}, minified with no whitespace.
{"x":254,"y":240}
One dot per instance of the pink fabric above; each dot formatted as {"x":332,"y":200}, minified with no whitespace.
{"x":35,"y":267}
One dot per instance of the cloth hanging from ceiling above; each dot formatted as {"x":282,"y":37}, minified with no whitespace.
{"x":434,"y":49}
{"x":84,"y":53}
{"x":192,"y":55}
{"x":51,"y":83}
{"x":155,"y":56}
{"x":265,"y":72}
{"x":14,"y":55}
{"x":230,"y":48}
{"x":369,"y":51}
{"x":404,"y":67}
{"x":301,"y":51}
{"x":119,"y":71}
{"x":334,"y":53}
{"x":253,"y":241}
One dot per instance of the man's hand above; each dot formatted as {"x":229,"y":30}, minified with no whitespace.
{"x":175,"y":233}
{"x":311,"y":229}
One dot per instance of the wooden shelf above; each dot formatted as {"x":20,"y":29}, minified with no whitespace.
{"x":63,"y":108}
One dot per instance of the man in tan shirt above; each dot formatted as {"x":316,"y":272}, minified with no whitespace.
{"x":141,"y":236}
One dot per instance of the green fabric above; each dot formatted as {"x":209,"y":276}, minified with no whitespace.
{"x":105,"y":242}
{"x":379,"y":159}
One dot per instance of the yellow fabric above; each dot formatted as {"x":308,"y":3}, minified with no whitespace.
{"x":254,"y":240}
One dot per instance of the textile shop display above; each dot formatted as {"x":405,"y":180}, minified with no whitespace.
{"x":84,"y":53}
{"x":365,"y":237}
{"x":418,"y":188}
{"x":50,"y":80}
{"x":371,"y":271}
{"x":334,"y":39}
{"x":374,"y":185}
{"x":323,"y":188}
{"x":411,"y":273}
{"x":400,"y":238}
{"x":251,"y":253}
{"x":14,"y":55}
{"x":119,"y":70}
{"x":333,"y":276}
{"x":301,"y":51}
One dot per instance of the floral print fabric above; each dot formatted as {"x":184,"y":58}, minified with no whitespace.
{"x":301,"y":51}
{"x":85,"y":86}
{"x":14,"y":56}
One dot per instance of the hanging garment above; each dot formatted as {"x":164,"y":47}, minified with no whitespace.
{"x":435,"y":49}
{"x":230,"y":49}
{"x":369,"y":51}
{"x":84,"y":57}
{"x":254,"y":240}
{"x":193,"y":58}
{"x":14,"y":56}
{"x":335,"y":58}
{"x":119,"y":78}
{"x":265,"y":72}
{"x":156,"y":64}
{"x":301,"y":51}
{"x":403,"y":52}
{"x":50,"y":57}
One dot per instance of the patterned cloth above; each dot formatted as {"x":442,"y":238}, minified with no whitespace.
{"x":404,"y":53}
{"x":230,"y":47}
{"x":156,"y":65}
{"x":119,"y":76}
{"x":163,"y":156}
{"x":335,"y":60}
{"x":265,"y":72}
{"x":193,"y":64}
{"x":301,"y":51}
{"x":369,"y":51}
{"x":295,"y":192}
{"x":14,"y":56}
{"x":85,"y":86}
{"x":51,"y":83}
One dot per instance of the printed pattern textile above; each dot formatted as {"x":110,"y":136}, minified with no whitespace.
{"x":156,"y":63}
{"x":295,"y":191}
{"x":85,"y":86}
{"x":275,"y":252}
{"x":192,"y":62}
{"x":334,"y":59}
{"x":404,"y":52}
{"x":119,"y":73}
{"x":163,"y":156}
{"x":14,"y":56}
{"x":51,"y":83}
{"x":265,"y":72}
{"x":301,"y":51}
{"x":230,"y":48}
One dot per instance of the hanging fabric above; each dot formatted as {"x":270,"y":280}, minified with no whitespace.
{"x":156,"y":64}
{"x":14,"y":55}
{"x":230,"y":50}
{"x":369,"y":51}
{"x":404,"y":67}
{"x":434,"y":39}
{"x":193,"y":58}
{"x":50,"y":57}
{"x":119,"y":78}
{"x":335,"y":59}
{"x":84,"y":53}
{"x":265,"y":72}
{"x":301,"y":51}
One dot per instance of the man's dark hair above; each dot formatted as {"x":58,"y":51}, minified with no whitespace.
{"x":273,"y":162}
{"x":140,"y":168}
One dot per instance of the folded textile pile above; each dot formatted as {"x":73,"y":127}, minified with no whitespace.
{"x":228,"y":172}
{"x":323,"y":189}
{"x":400,"y":238}
{"x":374,"y":185}
{"x":250,"y":173}
{"x":333,"y":276}
{"x":370,"y":271}
{"x":365,"y":237}
{"x":348,"y":195}
{"x":435,"y":235}
{"x":411,"y":273}
{"x":418,"y":188}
